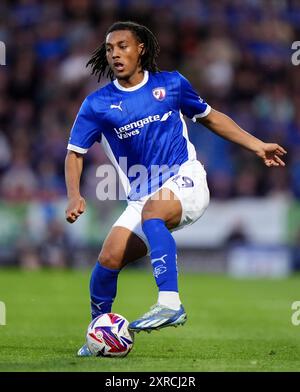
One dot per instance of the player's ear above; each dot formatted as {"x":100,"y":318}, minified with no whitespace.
{"x":141,"y":49}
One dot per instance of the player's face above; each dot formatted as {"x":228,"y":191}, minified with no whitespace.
{"x":123,"y":53}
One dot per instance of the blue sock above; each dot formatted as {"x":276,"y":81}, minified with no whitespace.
{"x":103,"y":289}
{"x":163,"y":254}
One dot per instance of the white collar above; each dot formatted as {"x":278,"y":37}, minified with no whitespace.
{"x":133,"y":88}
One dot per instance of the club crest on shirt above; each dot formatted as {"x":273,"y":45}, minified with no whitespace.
{"x":159,"y":93}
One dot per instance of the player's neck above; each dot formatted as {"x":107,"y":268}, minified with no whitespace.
{"x":133,"y":80}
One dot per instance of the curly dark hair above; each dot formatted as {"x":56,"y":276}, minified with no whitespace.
{"x":98,"y":61}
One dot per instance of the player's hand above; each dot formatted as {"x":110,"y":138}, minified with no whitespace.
{"x":271,"y":153}
{"x":75,"y":207}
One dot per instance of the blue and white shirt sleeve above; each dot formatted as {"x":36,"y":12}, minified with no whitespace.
{"x":191,"y":104}
{"x":85,"y":131}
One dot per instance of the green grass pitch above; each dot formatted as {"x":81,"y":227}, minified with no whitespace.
{"x":233,"y":325}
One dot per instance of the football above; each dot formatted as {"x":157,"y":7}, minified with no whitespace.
{"x":108,"y":336}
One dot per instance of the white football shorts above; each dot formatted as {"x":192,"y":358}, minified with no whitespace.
{"x":189,"y":185}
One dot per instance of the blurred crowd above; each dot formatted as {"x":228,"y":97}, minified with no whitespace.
{"x":237,"y":54}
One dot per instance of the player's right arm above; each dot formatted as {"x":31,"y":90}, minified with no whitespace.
{"x":85,"y":132}
{"x":193,"y":106}
{"x":73,"y":170}
{"x":225,"y":127}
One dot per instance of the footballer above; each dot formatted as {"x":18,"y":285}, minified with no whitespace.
{"x":139,"y":116}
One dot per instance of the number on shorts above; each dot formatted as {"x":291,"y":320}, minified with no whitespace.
{"x":183,"y":181}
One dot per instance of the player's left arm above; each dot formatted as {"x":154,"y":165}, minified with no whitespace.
{"x":225,"y":127}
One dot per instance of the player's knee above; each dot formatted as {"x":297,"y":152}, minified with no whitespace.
{"x":148,"y":213}
{"x":146,"y":216}
{"x":110,"y":259}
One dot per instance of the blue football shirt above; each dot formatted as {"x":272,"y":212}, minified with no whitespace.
{"x":141,"y":127}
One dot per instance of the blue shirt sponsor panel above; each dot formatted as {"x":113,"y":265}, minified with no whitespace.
{"x":143,"y":124}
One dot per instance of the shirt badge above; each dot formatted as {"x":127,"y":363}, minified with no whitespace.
{"x":159,"y":93}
